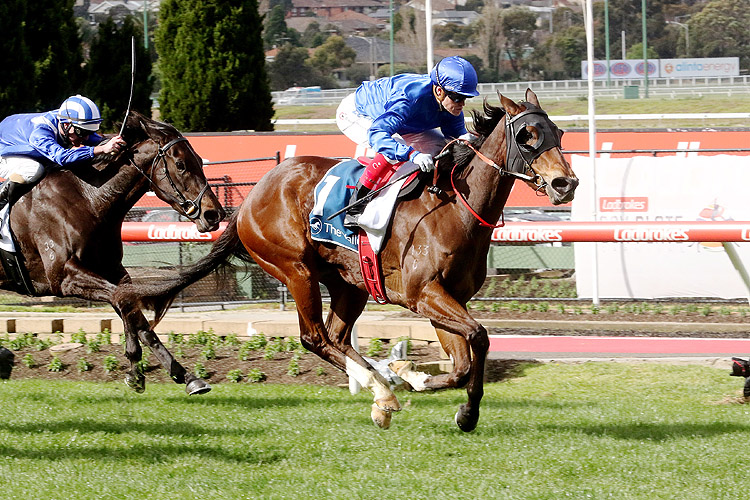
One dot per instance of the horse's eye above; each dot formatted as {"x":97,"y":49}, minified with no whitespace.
{"x":180,"y":165}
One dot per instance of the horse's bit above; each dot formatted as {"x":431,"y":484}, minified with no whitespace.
{"x":190,"y":208}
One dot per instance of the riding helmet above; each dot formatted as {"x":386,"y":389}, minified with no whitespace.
{"x":81,"y":111}
{"x":455,"y":74}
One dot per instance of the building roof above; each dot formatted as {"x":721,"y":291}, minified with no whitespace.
{"x":318,"y":4}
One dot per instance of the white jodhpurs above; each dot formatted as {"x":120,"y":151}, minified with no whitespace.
{"x":357,"y":127}
{"x":21,"y":169}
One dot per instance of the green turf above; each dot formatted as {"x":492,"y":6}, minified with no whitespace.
{"x":597,"y":430}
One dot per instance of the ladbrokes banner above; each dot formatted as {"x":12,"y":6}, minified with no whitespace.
{"x":661,"y":189}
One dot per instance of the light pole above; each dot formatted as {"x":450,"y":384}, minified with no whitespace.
{"x":373,"y":62}
{"x":687,"y":35}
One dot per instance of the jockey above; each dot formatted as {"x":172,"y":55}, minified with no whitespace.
{"x":399,"y":118}
{"x":32,"y":142}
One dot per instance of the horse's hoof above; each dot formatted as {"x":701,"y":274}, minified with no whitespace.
{"x":138,"y":384}
{"x":389,"y":404}
{"x":197,"y":386}
{"x":465,"y":420}
{"x":380,"y":417}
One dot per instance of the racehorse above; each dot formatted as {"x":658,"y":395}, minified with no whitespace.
{"x":433,"y":262}
{"x":68,"y":228}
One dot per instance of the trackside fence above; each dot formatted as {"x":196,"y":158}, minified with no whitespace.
{"x":532,"y":257}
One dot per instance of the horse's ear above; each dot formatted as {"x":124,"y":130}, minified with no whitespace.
{"x":532,"y":98}
{"x":508,"y":105}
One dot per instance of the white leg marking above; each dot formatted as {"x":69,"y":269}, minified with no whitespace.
{"x":368,"y":379}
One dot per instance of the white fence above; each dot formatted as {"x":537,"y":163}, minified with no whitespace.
{"x":569,"y":89}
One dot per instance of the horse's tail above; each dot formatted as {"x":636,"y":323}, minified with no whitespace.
{"x":159,"y":294}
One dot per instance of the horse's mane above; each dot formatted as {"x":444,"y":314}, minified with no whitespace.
{"x":483,"y":124}
{"x":137,"y":129}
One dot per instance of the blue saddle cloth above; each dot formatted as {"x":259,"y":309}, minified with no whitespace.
{"x":332,"y":194}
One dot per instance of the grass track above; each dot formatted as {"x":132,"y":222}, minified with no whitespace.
{"x":597,"y":430}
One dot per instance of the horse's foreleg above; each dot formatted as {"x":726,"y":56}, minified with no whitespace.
{"x":449,"y":315}
{"x":459,"y":351}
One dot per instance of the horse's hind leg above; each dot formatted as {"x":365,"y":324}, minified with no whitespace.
{"x":347,"y":303}
{"x":135,"y":321}
{"x":80,"y":282}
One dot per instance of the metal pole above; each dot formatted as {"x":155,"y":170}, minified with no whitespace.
{"x":391,"y":52}
{"x":645,"y":49}
{"x":588,"y":18}
{"x":606,"y":38}
{"x":622,"y":35}
{"x":145,"y":24}
{"x":428,"y":32}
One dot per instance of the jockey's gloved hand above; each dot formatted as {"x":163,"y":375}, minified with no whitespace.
{"x":424,"y":162}
{"x":468,"y":136}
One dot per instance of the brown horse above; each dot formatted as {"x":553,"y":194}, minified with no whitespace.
{"x":434,"y":260}
{"x":68,"y":228}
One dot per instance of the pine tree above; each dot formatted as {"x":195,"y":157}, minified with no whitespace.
{"x":55,"y":48}
{"x":15,"y":61}
{"x":108,"y":72}
{"x":212,"y":66}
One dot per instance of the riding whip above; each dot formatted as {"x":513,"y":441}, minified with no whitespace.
{"x":132,"y":81}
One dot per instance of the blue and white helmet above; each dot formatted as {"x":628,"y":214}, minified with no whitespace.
{"x":81,"y":112}
{"x":455,"y":74}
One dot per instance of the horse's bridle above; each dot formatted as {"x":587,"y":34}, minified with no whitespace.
{"x":190,"y":208}
{"x":519,"y":156}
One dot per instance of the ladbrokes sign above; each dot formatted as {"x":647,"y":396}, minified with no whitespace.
{"x":623,"y":204}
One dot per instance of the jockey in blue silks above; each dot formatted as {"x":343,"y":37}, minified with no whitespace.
{"x":31,"y":142}
{"x":406,"y":117}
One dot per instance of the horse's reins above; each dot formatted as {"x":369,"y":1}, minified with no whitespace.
{"x":190,"y":208}
{"x":510,"y":135}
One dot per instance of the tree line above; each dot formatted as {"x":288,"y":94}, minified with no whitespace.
{"x":210,"y":72}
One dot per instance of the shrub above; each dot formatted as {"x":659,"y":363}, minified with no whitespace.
{"x":374,"y":348}
{"x":235,"y":375}
{"x":110,"y":363}
{"x":55,"y":364}
{"x":257,"y":342}
{"x":200,"y":370}
{"x":79,"y":337}
{"x":208,"y":352}
{"x":84,"y":366}
{"x":28,"y":361}
{"x":293,"y":369}
{"x":104,"y":338}
{"x":255,"y":375}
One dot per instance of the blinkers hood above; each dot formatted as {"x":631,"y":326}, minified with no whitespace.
{"x":520,"y":155}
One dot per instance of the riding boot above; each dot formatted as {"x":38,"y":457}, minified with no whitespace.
{"x":4,"y":193}
{"x":352,"y":215}
{"x":11,"y":192}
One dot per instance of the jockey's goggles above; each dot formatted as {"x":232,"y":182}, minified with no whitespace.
{"x":82,"y":132}
{"x":457,"y":98}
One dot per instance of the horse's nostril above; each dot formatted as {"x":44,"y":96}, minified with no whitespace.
{"x":564,"y":185}
{"x":212,"y":216}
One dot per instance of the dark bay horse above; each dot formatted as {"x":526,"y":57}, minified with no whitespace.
{"x":69,"y":228}
{"x":434,"y":260}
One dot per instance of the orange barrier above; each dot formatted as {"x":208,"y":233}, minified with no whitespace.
{"x":240,"y":176}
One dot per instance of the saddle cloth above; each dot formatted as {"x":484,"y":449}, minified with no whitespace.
{"x":334,"y":192}
{"x":6,"y":238}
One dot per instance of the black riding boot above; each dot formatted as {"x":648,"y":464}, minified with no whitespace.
{"x":352,"y":215}
{"x":11,"y":192}
{"x":4,"y":193}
